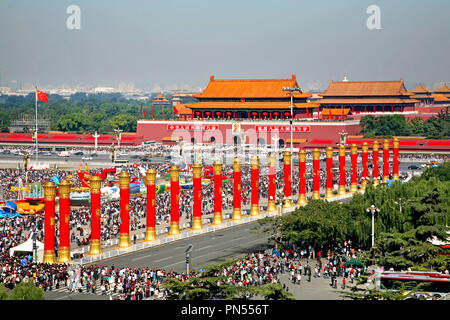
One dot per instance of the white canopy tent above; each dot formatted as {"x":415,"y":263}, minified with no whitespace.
{"x":27,"y":246}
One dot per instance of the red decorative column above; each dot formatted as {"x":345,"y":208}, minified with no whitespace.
{"x":316,"y":174}
{"x":124,"y":186}
{"x":64,"y":218}
{"x":49,"y":222}
{"x":302,"y":177}
{"x":217,"y":193}
{"x":197,"y":208}
{"x":271,"y":206}
{"x":354,"y":176}
{"x":375,"y":159}
{"x":385,"y":160}
{"x":329,"y":192}
{"x":237,"y":189}
{"x":254,"y":211}
{"x":287,"y":180}
{"x":174,"y":201}
{"x":395,"y":145}
{"x":342,"y":189}
{"x":365,"y":162}
{"x":95,"y":182}
{"x":150,"y":182}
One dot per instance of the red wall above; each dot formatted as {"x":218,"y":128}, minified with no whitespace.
{"x":156,"y":130}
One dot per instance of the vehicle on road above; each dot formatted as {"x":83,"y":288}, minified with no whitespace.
{"x":145,"y":159}
{"x":86,"y":158}
{"x":47,"y":153}
{"x":64,"y":154}
{"x":78,"y":153}
{"x":94,"y":154}
{"x":413,"y":167}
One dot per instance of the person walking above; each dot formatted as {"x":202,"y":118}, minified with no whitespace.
{"x":343,"y":283}
{"x":299,"y":277}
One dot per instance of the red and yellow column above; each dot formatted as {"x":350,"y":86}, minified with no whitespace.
{"x":354,"y":175}
{"x":375,"y":160}
{"x":64,"y":219}
{"x":341,"y":189}
{"x":217,"y":167}
{"x":329,"y":192}
{"x":124,"y":186}
{"x":385,"y":160}
{"x":150,"y":182}
{"x":365,"y":165}
{"x":174,"y":201}
{"x":95,"y":183}
{"x":395,"y":145}
{"x":302,"y":177}
{"x":254,"y":210}
{"x":237,"y":189}
{"x":197,"y":208}
{"x":316,"y":174}
{"x":49,"y":222}
{"x":271,"y":205}
{"x":287,"y":180}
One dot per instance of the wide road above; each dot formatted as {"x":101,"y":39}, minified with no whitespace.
{"x":210,"y":248}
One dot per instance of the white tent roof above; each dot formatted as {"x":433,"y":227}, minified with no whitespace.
{"x":27,"y":246}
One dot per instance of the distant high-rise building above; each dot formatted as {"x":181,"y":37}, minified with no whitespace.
{"x":1,"y":79}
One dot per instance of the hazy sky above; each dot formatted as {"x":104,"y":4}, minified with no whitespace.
{"x":183,"y":42}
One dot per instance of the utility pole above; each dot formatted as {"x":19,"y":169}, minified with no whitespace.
{"x":188,"y":258}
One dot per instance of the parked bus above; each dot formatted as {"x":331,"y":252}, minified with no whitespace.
{"x":429,"y":284}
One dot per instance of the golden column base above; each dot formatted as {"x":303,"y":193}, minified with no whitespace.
{"x":329,"y":193}
{"x":287,"y":204}
{"x":254,"y":211}
{"x":174,"y":229}
{"x":217,"y":220}
{"x":375,"y":182}
{"x":301,"y":199}
{"x":96,"y":248}
{"x":342,"y":190}
{"x":197,"y":224}
{"x":364,"y":184}
{"x":396,"y":177}
{"x":353,"y":188}
{"x":385,"y":179}
{"x":271,"y":207}
{"x":316,"y":195}
{"x":124,"y":242}
{"x":150,"y":234}
{"x":49,"y":257}
{"x":236,"y":214}
{"x":63,"y":255}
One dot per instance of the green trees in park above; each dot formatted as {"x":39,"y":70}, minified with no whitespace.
{"x":23,"y":291}
{"x":437,"y":127}
{"x":211,"y":285}
{"x":410,"y":215}
{"x":83,"y":113}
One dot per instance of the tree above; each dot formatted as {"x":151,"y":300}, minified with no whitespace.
{"x":126,"y":122}
{"x":27,"y":291}
{"x":3,"y":293}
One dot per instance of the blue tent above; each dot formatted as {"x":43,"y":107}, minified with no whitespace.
{"x":390,"y":182}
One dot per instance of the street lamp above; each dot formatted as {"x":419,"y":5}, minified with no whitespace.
{"x":373,"y":209}
{"x":291,"y":90}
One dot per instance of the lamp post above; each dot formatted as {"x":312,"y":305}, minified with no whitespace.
{"x":373,"y":209}
{"x":291,"y":90}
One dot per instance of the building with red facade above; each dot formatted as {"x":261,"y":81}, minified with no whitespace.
{"x":258,"y":99}
{"x":366,"y":97}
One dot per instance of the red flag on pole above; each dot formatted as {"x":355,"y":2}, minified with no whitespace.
{"x":175,"y":110}
{"x":163,"y":110}
{"x":143,"y":110}
{"x":153,"y":111}
{"x":41,"y":96}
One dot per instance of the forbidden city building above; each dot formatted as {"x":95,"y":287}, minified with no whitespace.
{"x":258,"y":99}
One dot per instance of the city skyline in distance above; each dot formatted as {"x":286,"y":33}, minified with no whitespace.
{"x":175,"y":45}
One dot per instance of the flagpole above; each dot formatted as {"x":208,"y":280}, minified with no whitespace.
{"x":37,"y":150}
